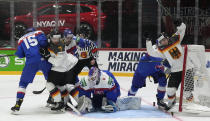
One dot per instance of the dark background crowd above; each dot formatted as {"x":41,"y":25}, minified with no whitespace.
{"x":130,"y":14}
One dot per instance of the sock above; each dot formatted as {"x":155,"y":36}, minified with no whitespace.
{"x":161,"y":92}
{"x":56,"y":95}
{"x":20,"y":93}
{"x":132,"y":91}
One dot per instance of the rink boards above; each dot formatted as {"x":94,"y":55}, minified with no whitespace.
{"x":121,"y":62}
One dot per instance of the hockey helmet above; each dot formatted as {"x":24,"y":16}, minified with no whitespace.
{"x":163,"y":36}
{"x":31,"y":29}
{"x":94,"y":76}
{"x":55,"y":36}
{"x":68,"y":36}
{"x":67,"y":32}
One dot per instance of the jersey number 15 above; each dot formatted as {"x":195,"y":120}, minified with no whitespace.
{"x":30,"y":41}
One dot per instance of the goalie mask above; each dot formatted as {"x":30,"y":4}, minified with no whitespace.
{"x":163,"y":40}
{"x":94,"y":76}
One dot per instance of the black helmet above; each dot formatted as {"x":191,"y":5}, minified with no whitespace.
{"x":161,"y":37}
{"x":55,"y":35}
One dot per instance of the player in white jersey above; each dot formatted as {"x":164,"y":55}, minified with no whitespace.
{"x":59,"y":74}
{"x":171,"y":49}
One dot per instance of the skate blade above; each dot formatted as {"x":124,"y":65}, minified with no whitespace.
{"x":50,"y":106}
{"x":59,"y":111}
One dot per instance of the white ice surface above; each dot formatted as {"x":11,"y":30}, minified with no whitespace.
{"x":33,"y":107}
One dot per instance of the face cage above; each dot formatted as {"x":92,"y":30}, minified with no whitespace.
{"x":68,"y":38}
{"x":95,"y":78}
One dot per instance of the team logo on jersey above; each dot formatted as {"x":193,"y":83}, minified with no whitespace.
{"x":4,"y":61}
{"x":84,"y":54}
{"x":98,"y":92}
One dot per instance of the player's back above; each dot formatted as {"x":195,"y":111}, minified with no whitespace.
{"x":29,"y":45}
{"x":148,"y":68}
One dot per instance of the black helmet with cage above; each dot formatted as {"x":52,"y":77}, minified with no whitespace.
{"x":55,"y":36}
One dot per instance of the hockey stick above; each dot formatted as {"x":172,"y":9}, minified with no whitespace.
{"x":73,"y":105}
{"x":168,"y":12}
{"x":165,"y":9}
{"x":145,"y":61}
{"x":39,"y":92}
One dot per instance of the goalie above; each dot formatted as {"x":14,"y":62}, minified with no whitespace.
{"x":105,"y":92}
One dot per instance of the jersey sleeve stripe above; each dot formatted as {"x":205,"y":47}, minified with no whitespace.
{"x":71,"y":49}
{"x":94,"y":50}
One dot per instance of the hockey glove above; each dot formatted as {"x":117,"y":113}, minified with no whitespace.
{"x":44,"y":53}
{"x":148,"y":36}
{"x":166,"y":63}
{"x":178,"y":22}
{"x":110,"y":107}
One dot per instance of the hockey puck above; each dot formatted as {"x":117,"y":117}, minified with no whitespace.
{"x":153,"y":103}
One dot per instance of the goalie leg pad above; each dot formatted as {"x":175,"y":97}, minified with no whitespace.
{"x":129,"y":103}
{"x":84,"y":105}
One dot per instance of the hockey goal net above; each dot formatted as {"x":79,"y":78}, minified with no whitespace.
{"x":195,"y":86}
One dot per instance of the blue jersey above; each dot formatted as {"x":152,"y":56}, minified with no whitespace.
{"x":148,"y":68}
{"x":107,"y":86}
{"x":29,"y":45}
{"x":145,"y":68}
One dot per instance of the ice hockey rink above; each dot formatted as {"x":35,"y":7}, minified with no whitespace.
{"x":33,"y":107}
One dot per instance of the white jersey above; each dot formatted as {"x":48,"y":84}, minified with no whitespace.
{"x":71,"y":46}
{"x":174,"y":52}
{"x":62,"y":61}
{"x":105,"y":83}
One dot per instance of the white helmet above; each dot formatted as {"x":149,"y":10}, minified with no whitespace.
{"x":94,"y":76}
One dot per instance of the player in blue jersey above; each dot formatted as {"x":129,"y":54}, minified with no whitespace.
{"x":28,"y":47}
{"x":150,"y":66}
{"x":100,"y":91}
{"x":101,"y":84}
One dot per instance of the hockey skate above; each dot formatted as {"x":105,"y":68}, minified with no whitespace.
{"x":170,"y":105}
{"x":59,"y":107}
{"x":161,"y":104}
{"x":50,"y":102}
{"x":17,"y":105}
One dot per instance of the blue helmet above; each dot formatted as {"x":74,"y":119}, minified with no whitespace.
{"x":67,"y":32}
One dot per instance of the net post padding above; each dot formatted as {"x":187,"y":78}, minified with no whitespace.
{"x":183,"y":75}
